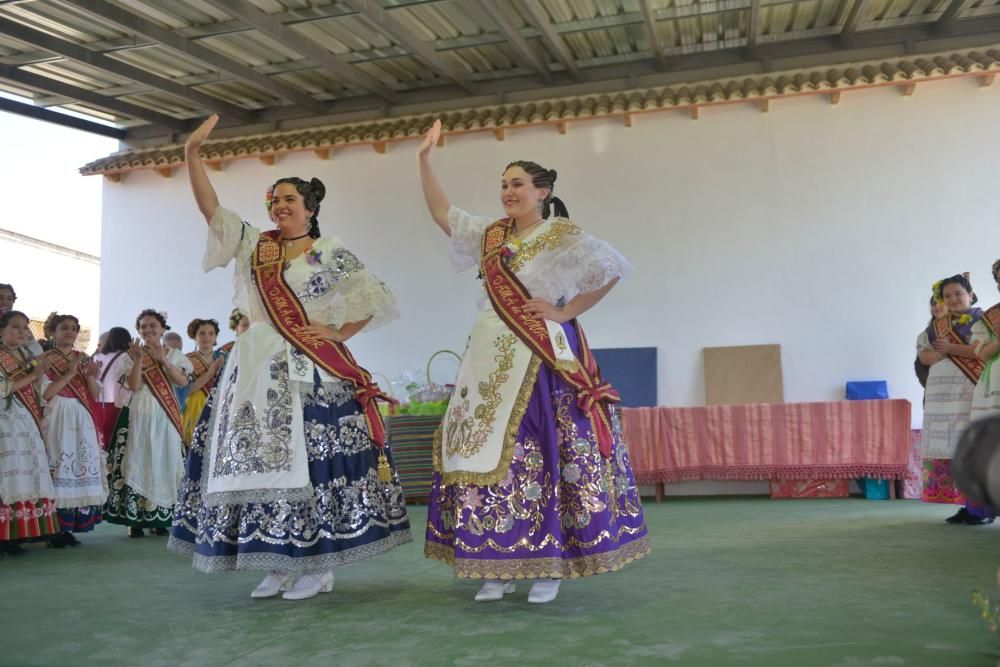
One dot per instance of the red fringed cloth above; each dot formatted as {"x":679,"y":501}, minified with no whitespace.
{"x":838,"y":440}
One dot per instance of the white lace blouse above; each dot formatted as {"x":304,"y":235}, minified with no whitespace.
{"x":331,"y":282}
{"x":556,"y":261}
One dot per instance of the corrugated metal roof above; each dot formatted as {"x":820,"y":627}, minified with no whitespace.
{"x":902,"y":73}
{"x":275,"y":60}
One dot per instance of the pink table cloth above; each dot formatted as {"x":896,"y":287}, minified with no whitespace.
{"x":836,"y":440}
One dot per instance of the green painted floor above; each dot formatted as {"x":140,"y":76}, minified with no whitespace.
{"x":732,"y":581}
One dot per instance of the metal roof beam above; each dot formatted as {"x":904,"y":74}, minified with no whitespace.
{"x":516,"y":40}
{"x":141,"y":26}
{"x":295,"y":40}
{"x":850,"y":28}
{"x":540,"y":20}
{"x":753,"y":29}
{"x":381,"y":17}
{"x":100,"y":61}
{"x":39,"y":113}
{"x":813,"y":51}
{"x":654,"y":38}
{"x":52,"y":86}
{"x":951,"y":14}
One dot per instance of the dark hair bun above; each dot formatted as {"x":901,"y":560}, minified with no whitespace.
{"x":552,"y":175}
{"x":318,"y":188}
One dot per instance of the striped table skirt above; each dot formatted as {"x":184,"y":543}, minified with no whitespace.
{"x":412,"y":437}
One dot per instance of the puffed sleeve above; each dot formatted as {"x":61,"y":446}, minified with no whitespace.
{"x":179,"y":360}
{"x":228,"y":238}
{"x":980,"y":333}
{"x":586,"y":263}
{"x":356,"y":294}
{"x":923,"y":342}
{"x":466,"y":237}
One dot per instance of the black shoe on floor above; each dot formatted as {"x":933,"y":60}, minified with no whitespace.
{"x":136,"y":532}
{"x":160,"y":531}
{"x":971,"y":520}
{"x":71,"y":540}
{"x":13,"y":550}
{"x":60,"y":541}
{"x":958,"y":517}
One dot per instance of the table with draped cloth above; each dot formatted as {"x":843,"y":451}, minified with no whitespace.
{"x":412,"y":437}
{"x":821,"y":441}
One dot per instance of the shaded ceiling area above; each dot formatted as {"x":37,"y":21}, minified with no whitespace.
{"x":147,"y":70}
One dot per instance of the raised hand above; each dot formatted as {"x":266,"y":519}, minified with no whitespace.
{"x":40,"y":368}
{"x":135,"y":349}
{"x":430,"y":141}
{"x":199,"y":136}
{"x":74,"y":364}
{"x":214,"y":369}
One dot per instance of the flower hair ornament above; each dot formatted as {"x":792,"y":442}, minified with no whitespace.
{"x":936,"y":291}
{"x":270,"y":196}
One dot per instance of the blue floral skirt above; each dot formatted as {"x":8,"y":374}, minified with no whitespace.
{"x":351,"y":515}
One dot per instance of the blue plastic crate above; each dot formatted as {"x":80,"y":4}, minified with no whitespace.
{"x":867,"y":391}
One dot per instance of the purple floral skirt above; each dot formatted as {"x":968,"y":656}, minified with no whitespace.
{"x":563,"y":510}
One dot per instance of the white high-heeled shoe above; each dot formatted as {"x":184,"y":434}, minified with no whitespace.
{"x":494,"y":590}
{"x":272,"y":584}
{"x":544,"y":590}
{"x":310,"y":585}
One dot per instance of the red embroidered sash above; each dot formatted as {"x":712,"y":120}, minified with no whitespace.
{"x":228,"y":347}
{"x":14,"y":369}
{"x":508,"y":296}
{"x":59,"y":363}
{"x":289,"y":318}
{"x":163,"y":390}
{"x":200,"y":368}
{"x":972,"y":368}
{"x":991,"y":318}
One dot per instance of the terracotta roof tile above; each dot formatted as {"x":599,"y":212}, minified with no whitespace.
{"x":844,"y":77}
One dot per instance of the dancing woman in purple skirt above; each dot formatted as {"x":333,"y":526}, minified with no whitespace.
{"x":531,"y":477}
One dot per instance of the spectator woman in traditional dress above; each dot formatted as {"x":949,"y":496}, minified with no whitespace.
{"x":207,"y":362}
{"x":146,"y":457}
{"x":289,"y":470}
{"x":532,"y":479}
{"x":946,"y":346}
{"x":27,"y":510}
{"x":73,"y":443}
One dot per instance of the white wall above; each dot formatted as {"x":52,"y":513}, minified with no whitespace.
{"x":814,"y":226}
{"x":47,"y":199}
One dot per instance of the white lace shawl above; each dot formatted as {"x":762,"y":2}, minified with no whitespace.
{"x":564,"y":260}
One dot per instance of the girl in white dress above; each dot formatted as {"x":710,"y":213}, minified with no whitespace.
{"x":26,"y":509}
{"x":946,"y":346}
{"x":73,"y":439}
{"x":146,"y":457}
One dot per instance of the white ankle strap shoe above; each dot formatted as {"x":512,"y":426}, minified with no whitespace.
{"x":494,"y":590}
